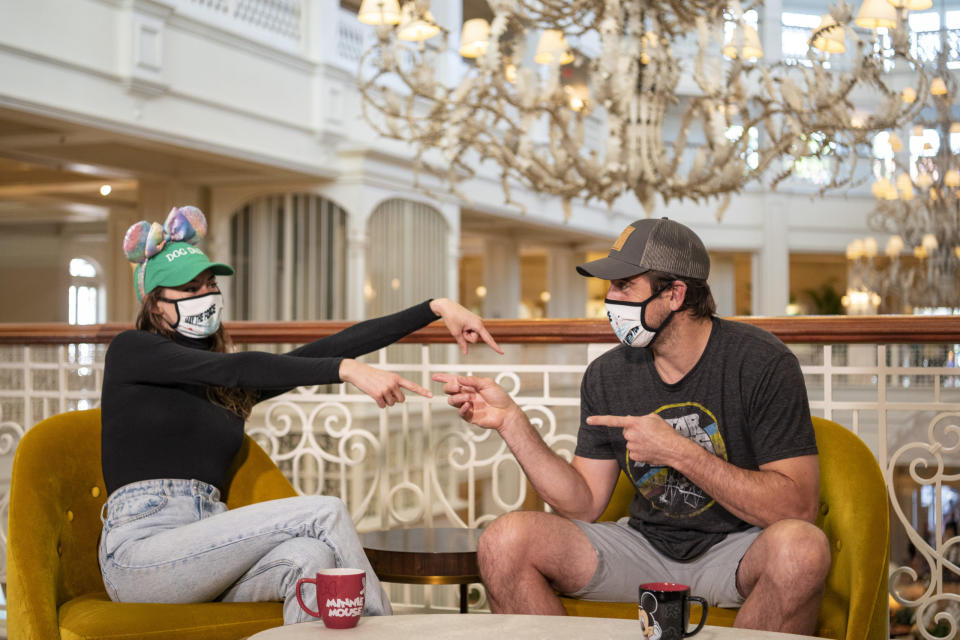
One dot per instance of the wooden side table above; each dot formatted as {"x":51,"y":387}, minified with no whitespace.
{"x":425,"y":556}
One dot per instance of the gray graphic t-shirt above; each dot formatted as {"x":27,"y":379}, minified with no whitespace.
{"x":744,"y":401}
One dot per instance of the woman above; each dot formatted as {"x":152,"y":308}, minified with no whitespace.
{"x":174,"y":402}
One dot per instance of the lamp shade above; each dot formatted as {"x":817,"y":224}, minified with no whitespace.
{"x":578,"y":96}
{"x":909,"y":95}
{"x":876,"y":14}
{"x":929,"y":242}
{"x":883,"y":189}
{"x":749,"y":43}
{"x":647,"y":42}
{"x":553,"y":48}
{"x":894,"y":246}
{"x":905,"y":186}
{"x":911,"y":5}
{"x":938,"y":87}
{"x":855,"y":249}
{"x":377,"y":12}
{"x":952,"y":178}
{"x":830,"y":38}
{"x":415,"y":27}
{"x":475,"y":38}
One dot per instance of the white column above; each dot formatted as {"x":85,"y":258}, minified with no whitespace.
{"x":357,"y":239}
{"x":771,"y":30}
{"x":451,"y":213}
{"x":723,"y":285}
{"x":773,"y":275}
{"x":359,"y":200}
{"x":450,"y":15}
{"x":501,"y":277}
{"x":321,"y":18}
{"x":568,"y":289}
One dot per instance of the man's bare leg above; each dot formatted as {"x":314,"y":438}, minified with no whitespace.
{"x":782,"y":576}
{"x":525,"y":555}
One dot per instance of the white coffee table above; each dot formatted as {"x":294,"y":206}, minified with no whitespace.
{"x":485,"y":626}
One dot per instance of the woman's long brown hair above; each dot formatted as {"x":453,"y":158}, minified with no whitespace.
{"x":239,"y":401}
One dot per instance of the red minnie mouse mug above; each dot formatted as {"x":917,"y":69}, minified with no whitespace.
{"x":340,"y":596}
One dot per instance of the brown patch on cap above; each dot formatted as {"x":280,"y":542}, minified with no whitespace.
{"x":618,"y":245}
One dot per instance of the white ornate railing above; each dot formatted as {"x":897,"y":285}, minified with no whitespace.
{"x":924,"y":45}
{"x":418,"y":464}
{"x":278,"y":23}
{"x":353,"y":39}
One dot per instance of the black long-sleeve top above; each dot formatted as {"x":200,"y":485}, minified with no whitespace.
{"x":158,"y":421}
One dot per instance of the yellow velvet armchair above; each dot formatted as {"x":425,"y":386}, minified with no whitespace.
{"x":855,"y":516}
{"x":54,"y":588}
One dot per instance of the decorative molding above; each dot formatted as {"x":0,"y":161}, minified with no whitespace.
{"x":145,"y":51}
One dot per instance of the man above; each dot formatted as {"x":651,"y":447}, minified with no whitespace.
{"x":708,"y":417}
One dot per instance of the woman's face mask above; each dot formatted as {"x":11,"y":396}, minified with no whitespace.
{"x":627,"y":320}
{"x":199,"y":316}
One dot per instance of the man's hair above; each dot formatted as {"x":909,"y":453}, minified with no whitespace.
{"x":699,"y":300}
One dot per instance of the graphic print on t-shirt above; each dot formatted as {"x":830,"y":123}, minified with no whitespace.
{"x":668,"y":490}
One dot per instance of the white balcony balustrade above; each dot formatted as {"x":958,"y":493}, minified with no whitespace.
{"x":894,"y":382}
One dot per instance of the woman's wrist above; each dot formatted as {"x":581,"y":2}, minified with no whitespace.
{"x":437,"y":305}
{"x":346,"y":368}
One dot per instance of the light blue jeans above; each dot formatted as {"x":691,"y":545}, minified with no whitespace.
{"x":174,"y":541}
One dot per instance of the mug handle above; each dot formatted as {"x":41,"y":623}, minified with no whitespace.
{"x":703,"y":616}
{"x":316,"y":614}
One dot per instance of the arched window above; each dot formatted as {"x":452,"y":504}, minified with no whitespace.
{"x":406,"y":263}
{"x":406,"y":256}
{"x":85,"y":303}
{"x":289,"y":253}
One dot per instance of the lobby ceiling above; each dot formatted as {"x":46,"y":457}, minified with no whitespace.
{"x":53,"y":170}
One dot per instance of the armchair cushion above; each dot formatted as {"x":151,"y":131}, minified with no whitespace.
{"x":94,"y":615}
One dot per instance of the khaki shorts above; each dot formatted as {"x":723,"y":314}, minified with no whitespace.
{"x":625,"y":560}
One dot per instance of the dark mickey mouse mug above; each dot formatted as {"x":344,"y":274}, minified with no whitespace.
{"x":664,"y":609}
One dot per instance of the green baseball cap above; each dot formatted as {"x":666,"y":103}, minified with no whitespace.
{"x":177,"y":263}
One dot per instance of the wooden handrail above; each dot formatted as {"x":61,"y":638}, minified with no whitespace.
{"x":794,"y":329}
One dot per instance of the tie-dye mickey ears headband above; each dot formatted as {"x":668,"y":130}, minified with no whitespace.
{"x":144,"y":240}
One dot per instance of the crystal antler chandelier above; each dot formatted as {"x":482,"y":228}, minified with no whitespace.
{"x":609,"y":115}
{"x":918,"y":205}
